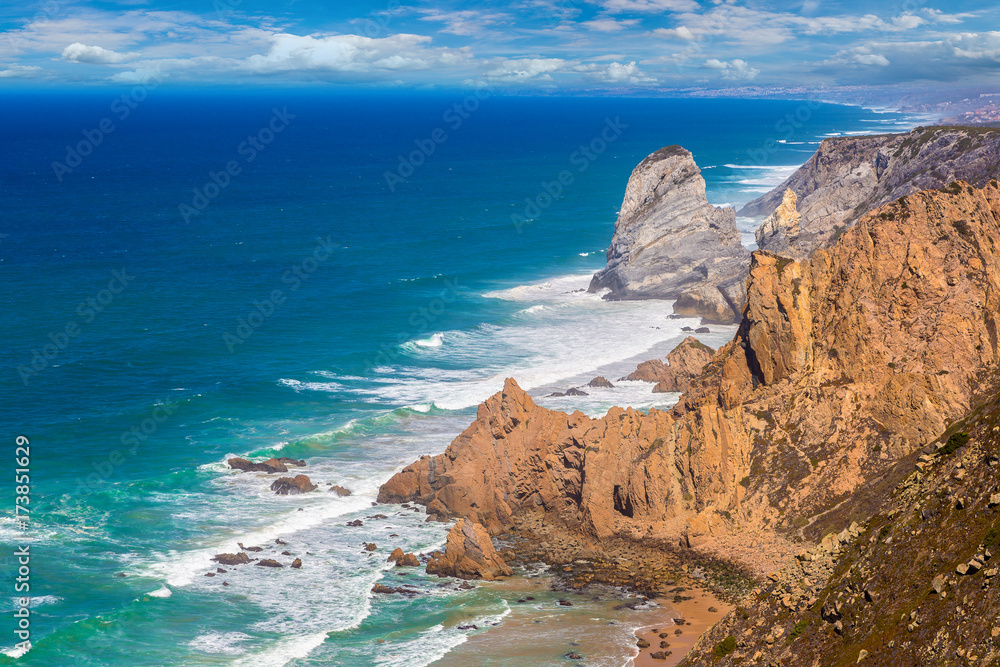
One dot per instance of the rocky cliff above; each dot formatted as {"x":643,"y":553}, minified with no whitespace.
{"x":849,"y":176}
{"x":842,"y":365}
{"x":670,"y":243}
{"x":906,"y":572}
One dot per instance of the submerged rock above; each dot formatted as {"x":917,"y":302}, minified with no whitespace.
{"x":267,"y":562}
{"x":268,"y":466}
{"x":340,"y":491}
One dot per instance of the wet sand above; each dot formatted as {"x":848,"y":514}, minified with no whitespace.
{"x":697,"y":620}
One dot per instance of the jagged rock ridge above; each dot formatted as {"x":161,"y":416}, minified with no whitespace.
{"x":849,"y":176}
{"x":842,"y":365}
{"x":670,"y":243}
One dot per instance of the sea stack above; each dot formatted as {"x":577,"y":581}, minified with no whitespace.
{"x":670,"y":243}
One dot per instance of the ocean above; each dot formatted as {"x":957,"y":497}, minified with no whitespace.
{"x":335,"y":276}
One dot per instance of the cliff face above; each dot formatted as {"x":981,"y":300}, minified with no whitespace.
{"x":841,"y":366}
{"x":849,"y":176}
{"x":908,"y":575}
{"x":670,"y":243}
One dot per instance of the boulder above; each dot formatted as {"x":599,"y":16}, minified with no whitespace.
{"x":232,"y":559}
{"x":408,"y":560}
{"x":292,"y":486}
{"x":267,"y":562}
{"x":684,"y":363}
{"x":297,"y":563}
{"x":600,"y":381}
{"x":575,"y":392}
{"x":396,"y":556}
{"x":339,"y":490}
{"x":469,"y":554}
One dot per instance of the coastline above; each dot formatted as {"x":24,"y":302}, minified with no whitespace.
{"x":698,"y":619}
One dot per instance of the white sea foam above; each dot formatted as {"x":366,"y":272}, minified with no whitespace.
{"x":298,"y":385}
{"x":564,"y":337}
{"x":162,"y":592}
{"x":227,"y":643}
{"x":284,"y":651}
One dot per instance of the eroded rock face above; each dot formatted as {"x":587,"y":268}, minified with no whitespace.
{"x":291,"y":486}
{"x":469,"y":554}
{"x":842,"y":365}
{"x":849,"y":176}
{"x":684,"y":362}
{"x":781,"y":225}
{"x":670,"y":243}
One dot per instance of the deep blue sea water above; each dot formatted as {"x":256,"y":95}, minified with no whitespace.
{"x":312,"y":308}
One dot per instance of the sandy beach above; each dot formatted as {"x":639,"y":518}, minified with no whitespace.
{"x":697,"y":619}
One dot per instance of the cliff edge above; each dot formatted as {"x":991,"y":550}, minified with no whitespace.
{"x":849,"y":176}
{"x":670,"y":243}
{"x":842,"y":365}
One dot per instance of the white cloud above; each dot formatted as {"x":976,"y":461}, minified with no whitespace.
{"x":735,"y":70}
{"x":681,"y":32}
{"x":618,"y":73}
{"x":81,"y":53}
{"x":469,"y":22}
{"x":871,"y":59}
{"x":526,"y":69}
{"x":19,"y":71}
{"x":610,"y":25}
{"x":647,"y":6}
{"x":352,"y":53}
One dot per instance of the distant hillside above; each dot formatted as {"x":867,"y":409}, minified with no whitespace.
{"x":849,"y":176}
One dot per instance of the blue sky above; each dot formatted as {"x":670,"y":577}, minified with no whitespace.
{"x":530,"y":44}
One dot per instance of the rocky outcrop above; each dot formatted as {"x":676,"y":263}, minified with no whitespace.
{"x":269,"y":466}
{"x":841,"y":366}
{"x":849,"y":176}
{"x":780,"y":226}
{"x":292,"y":486}
{"x":684,"y":363}
{"x":469,"y":554}
{"x":403,"y":559}
{"x":670,"y":243}
{"x":905,"y":573}
{"x":232,"y":559}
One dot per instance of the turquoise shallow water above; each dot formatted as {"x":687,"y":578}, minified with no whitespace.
{"x":314,"y":310}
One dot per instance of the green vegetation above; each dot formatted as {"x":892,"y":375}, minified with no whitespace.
{"x":892,"y":365}
{"x":799,"y":628}
{"x":954,"y":442}
{"x":745,"y":482}
{"x":992,"y":539}
{"x":725,"y":647}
